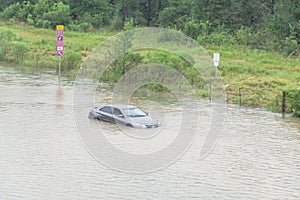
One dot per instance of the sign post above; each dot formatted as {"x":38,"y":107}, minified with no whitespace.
{"x":59,"y":47}
{"x":216,"y":61}
{"x":216,"y":64}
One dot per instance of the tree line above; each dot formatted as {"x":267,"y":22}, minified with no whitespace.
{"x":264,"y":24}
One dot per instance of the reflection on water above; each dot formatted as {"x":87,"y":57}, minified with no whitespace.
{"x":59,"y":98}
{"x":42,"y":157}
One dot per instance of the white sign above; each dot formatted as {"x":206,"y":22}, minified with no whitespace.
{"x":60,"y":48}
{"x":216,"y":59}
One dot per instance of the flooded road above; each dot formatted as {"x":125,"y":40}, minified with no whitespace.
{"x":42,"y":156}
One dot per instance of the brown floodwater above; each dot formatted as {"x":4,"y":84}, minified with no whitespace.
{"x":42,"y":155}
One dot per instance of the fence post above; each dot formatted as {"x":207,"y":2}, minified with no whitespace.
{"x":210,"y":97}
{"x":240,"y":96}
{"x":283,"y":106}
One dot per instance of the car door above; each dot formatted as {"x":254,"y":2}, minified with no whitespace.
{"x":118,"y":116}
{"x":106,"y":114}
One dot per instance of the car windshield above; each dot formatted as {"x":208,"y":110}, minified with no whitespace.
{"x":134,"y":112}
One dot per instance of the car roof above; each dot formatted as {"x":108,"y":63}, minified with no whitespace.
{"x":121,"y":106}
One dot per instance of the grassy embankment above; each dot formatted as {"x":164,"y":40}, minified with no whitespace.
{"x":261,"y":76}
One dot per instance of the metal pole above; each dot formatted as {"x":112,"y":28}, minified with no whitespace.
{"x":283,"y":106}
{"x":210,"y":95}
{"x":240,"y":96}
{"x":59,"y":70}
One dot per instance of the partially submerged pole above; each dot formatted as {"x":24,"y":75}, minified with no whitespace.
{"x":59,"y":47}
{"x":59,"y":71}
{"x":283,"y":106}
{"x":240,"y":96}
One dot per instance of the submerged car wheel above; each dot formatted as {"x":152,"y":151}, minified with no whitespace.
{"x":130,"y":125}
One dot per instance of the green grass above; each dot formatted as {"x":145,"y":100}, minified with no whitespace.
{"x":262,"y":76}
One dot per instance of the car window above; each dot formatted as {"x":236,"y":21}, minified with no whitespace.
{"x":134,"y":112}
{"x":106,"y":109}
{"x":116,"y":111}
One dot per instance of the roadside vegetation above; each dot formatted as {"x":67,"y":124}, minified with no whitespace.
{"x":259,"y":42}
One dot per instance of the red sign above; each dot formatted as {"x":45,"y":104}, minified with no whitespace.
{"x":60,"y":38}
{"x":60,"y":53}
{"x":59,"y":46}
{"x":59,"y":32}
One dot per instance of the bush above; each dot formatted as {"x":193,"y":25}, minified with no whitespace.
{"x":6,"y":38}
{"x":116,"y":23}
{"x":59,"y":14}
{"x":43,"y":23}
{"x":167,"y":17}
{"x":85,"y":26}
{"x":19,"y":51}
{"x":194,"y":30}
{"x":296,"y":103}
{"x":245,"y":36}
{"x":71,"y":61}
{"x":10,"y":11}
{"x":217,"y":39}
{"x":289,"y":45}
{"x":73,"y":27}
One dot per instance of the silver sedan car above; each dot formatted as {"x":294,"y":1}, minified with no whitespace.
{"x":128,"y":115}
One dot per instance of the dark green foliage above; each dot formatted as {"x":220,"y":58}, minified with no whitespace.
{"x":296,"y":103}
{"x":268,"y":25}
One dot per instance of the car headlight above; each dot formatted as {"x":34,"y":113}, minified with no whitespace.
{"x":136,"y":125}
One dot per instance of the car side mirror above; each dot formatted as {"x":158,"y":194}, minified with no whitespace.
{"x":120,"y":115}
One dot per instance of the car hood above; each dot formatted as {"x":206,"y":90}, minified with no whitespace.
{"x":143,"y":120}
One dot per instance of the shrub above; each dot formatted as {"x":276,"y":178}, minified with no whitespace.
{"x":86,"y":26}
{"x":71,"y":61}
{"x":19,"y":51}
{"x":245,"y":36}
{"x":43,"y":23}
{"x":194,"y":30}
{"x":217,"y":39}
{"x":296,"y":103}
{"x":6,"y":38}
{"x":73,"y":27}
{"x":10,"y":11}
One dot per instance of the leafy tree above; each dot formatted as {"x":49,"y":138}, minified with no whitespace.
{"x":268,"y":24}
{"x":6,"y":3}
{"x":95,"y":12}
{"x":10,"y":11}
{"x":285,"y":25}
{"x":59,"y":14}
{"x":167,"y":17}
